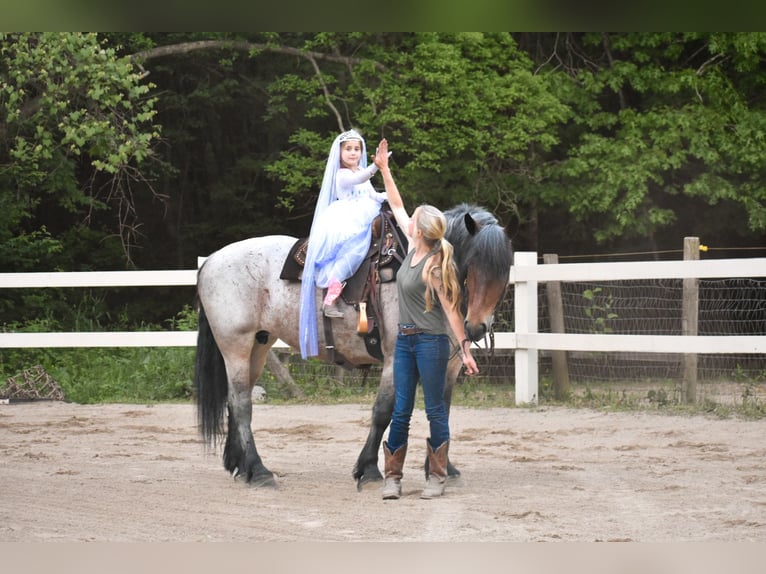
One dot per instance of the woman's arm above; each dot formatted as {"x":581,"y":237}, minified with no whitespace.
{"x":392,"y":192}
{"x":455,"y":320}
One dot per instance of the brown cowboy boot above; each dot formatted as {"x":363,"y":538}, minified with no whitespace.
{"x":437,"y":468}
{"x":394,"y":463}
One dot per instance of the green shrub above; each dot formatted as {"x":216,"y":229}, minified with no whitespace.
{"x":94,"y":375}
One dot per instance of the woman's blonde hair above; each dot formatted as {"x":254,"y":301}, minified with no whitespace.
{"x":433,"y":225}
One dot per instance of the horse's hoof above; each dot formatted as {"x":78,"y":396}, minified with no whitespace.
{"x":454,"y":480}
{"x":264,"y":481}
{"x":452,"y":471}
{"x":261,"y":479}
{"x":368,"y":483}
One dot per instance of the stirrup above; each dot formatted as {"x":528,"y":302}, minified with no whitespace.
{"x":332,"y":312}
{"x":362,"y":325}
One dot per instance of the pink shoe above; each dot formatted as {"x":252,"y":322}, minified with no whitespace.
{"x":334,"y":289}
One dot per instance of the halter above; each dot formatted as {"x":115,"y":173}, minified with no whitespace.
{"x":490,"y":332}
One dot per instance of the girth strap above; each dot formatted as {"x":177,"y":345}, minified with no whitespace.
{"x":334,"y":355}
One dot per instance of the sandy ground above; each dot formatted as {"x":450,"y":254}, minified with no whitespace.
{"x":140,"y":473}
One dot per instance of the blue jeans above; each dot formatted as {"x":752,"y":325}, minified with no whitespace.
{"x":421,"y":357}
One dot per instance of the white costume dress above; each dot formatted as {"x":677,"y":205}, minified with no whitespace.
{"x":340,"y":233}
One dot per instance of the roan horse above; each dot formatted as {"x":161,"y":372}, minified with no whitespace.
{"x":244,"y":308}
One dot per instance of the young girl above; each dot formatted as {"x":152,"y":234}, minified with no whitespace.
{"x":340,"y":232}
{"x":429,"y":307}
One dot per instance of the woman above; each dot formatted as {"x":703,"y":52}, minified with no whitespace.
{"x":429,"y":307}
{"x":340,"y":232}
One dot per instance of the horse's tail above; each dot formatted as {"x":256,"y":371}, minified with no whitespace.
{"x":210,"y":383}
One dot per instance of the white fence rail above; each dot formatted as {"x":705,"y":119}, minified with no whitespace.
{"x":525,"y":274}
{"x":100,"y":279}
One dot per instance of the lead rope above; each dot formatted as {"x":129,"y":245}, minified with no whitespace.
{"x":458,"y":349}
{"x":491,"y":340}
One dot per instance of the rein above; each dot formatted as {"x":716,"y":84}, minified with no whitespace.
{"x":490,"y":346}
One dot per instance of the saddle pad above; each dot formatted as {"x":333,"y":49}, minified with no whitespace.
{"x":293,"y":266}
{"x":292,"y":270}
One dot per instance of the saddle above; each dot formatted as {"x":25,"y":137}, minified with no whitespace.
{"x":388,"y":248}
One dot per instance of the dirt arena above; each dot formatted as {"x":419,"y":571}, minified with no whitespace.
{"x":140,"y":473}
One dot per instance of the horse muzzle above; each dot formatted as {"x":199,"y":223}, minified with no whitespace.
{"x":476,"y":332}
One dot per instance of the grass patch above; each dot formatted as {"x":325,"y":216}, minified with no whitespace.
{"x":165,"y":374}
{"x":477,"y":393}
{"x":732,"y":399}
{"x":131,"y":375}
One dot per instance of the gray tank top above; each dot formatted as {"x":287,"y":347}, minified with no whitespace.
{"x":412,"y":300}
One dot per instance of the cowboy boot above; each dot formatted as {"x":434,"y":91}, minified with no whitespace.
{"x":437,"y":468}
{"x":394,"y":463}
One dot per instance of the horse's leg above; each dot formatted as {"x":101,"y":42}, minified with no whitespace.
{"x":452,"y":373}
{"x":240,"y":455}
{"x":366,"y":469}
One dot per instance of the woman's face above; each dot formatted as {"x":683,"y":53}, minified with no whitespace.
{"x":413,"y":225}
{"x":350,"y":153}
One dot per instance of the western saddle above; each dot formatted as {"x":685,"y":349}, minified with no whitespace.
{"x":388,"y":248}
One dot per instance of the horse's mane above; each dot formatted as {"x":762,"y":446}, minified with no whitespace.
{"x":488,"y":249}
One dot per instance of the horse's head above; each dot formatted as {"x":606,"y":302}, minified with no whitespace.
{"x":483,"y":254}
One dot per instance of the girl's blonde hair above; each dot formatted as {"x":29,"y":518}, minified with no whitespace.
{"x":432,"y":223}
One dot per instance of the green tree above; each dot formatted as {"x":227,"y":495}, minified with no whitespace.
{"x":662,"y":122}
{"x":570,"y":138}
{"x":76,"y":124}
{"x":601,"y":137}
{"x":466,"y":116}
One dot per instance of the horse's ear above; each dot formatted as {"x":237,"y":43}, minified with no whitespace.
{"x":470,"y":224}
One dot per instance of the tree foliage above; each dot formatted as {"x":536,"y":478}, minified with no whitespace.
{"x":571,"y":138}
{"x":75,"y":124}
{"x":464,"y":114}
{"x":659,"y":116}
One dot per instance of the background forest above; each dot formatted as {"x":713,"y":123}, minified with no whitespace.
{"x":147,"y":150}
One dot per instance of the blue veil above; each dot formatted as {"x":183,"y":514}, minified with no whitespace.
{"x":308,"y":315}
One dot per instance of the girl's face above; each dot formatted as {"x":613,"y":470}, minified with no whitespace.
{"x":350,"y":153}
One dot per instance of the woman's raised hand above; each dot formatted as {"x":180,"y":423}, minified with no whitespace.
{"x":381,"y":154}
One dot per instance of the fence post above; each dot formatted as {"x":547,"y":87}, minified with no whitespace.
{"x":556,"y":310}
{"x":525,"y":321}
{"x":690,"y":321}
